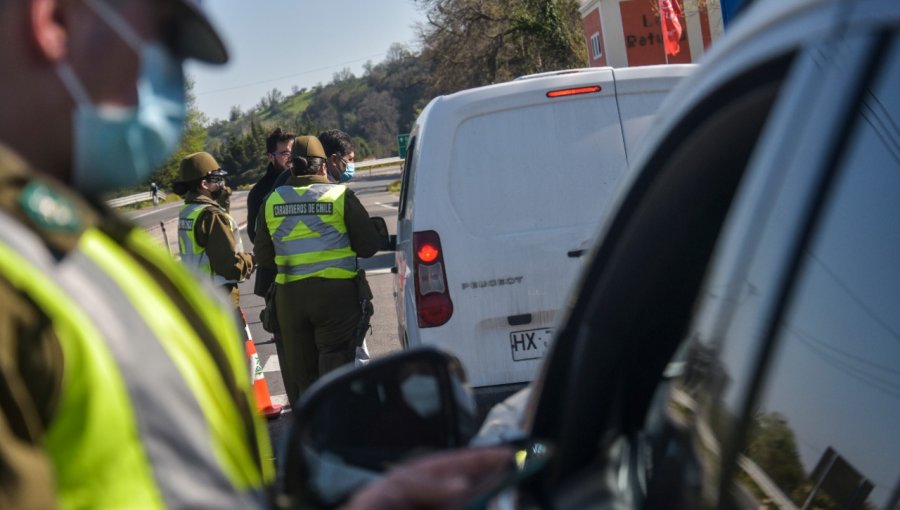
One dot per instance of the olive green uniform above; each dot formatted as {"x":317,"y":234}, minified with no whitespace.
{"x":318,"y":316}
{"x":34,"y":370}
{"x":213,"y":232}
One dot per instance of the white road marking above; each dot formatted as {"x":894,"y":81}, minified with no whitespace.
{"x":279,"y":399}
{"x":386,"y":206}
{"x":272,"y":365}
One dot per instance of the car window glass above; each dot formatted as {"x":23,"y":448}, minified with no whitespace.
{"x":647,"y":273}
{"x":406,"y":178}
{"x":825,"y":433}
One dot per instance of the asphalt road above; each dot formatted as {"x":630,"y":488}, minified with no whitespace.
{"x":371,"y":188}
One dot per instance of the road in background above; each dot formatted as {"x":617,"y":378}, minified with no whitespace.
{"x":371,"y":188}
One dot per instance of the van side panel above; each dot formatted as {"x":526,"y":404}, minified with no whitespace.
{"x":527,"y":179}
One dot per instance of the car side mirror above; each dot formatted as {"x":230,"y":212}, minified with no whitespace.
{"x":387,"y":242}
{"x":356,"y":422}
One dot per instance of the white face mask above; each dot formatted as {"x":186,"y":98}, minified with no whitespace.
{"x":115,"y":146}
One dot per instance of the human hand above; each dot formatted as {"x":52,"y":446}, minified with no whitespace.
{"x":437,"y":481}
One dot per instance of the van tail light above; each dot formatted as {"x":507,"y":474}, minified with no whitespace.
{"x":574,"y":91}
{"x":432,"y":297}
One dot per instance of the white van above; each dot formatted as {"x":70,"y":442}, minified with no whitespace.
{"x":503,"y":189}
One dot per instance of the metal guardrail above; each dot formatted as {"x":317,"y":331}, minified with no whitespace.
{"x":135,"y":199}
{"x":378,"y":162}
{"x":147,"y":196}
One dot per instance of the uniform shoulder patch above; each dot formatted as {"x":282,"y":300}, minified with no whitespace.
{"x":48,"y":209}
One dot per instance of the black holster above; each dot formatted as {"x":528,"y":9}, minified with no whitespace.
{"x":364,"y":294}
{"x":267,"y":315}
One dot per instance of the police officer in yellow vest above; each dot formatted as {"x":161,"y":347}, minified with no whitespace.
{"x":123,"y":383}
{"x":314,"y":230}
{"x":208,"y":237}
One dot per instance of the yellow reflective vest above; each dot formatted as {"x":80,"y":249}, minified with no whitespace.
{"x":155,"y":409}
{"x":192,"y":254}
{"x":309,"y":233}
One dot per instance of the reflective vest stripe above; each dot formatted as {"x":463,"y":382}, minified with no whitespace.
{"x":194,"y":255}
{"x":308,"y":241}
{"x":191,"y":253}
{"x":197,"y":373}
{"x":295,"y":269}
{"x":334,"y":235}
{"x":219,"y":320}
{"x":76,"y":450}
{"x":128,"y":407}
{"x":309,"y":244}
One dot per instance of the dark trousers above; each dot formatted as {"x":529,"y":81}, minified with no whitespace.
{"x":318,"y":319}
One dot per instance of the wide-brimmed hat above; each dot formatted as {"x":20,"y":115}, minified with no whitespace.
{"x":194,"y":36}
{"x":198,"y":165}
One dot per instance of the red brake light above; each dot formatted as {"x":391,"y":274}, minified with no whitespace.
{"x":434,"y":310}
{"x":427,"y":253}
{"x":574,"y":91}
{"x":433,"y":304}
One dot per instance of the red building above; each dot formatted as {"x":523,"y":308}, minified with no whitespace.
{"x":622,"y":33}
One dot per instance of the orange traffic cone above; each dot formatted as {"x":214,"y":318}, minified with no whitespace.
{"x":260,"y":389}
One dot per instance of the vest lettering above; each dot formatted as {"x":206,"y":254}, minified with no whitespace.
{"x":303,"y":208}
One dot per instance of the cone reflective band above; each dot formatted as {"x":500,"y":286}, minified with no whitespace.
{"x":264,"y":403}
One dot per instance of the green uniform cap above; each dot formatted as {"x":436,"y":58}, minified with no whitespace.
{"x":197,"y":166}
{"x":307,"y":147}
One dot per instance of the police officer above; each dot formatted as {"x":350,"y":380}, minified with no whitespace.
{"x":123,"y":384}
{"x":314,"y":230}
{"x":208,"y":237}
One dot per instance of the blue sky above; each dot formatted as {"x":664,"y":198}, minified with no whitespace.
{"x":282,"y":43}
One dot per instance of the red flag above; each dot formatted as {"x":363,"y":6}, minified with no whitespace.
{"x":671,"y":26}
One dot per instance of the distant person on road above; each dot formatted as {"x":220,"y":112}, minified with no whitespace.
{"x":340,"y":156}
{"x":154,"y":193}
{"x":314,"y":230}
{"x":123,"y":384}
{"x":208,"y":237}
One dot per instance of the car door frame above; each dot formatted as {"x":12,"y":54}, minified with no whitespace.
{"x":571,"y":363}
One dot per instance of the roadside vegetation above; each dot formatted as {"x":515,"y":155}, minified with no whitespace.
{"x":463,"y":44}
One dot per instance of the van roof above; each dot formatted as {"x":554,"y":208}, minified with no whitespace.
{"x":559,"y":72}
{"x":543,"y":82}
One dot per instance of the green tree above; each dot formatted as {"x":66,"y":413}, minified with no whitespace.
{"x":243,"y":155}
{"x":194,"y":140}
{"x":469,"y":43}
{"x":773,"y":447}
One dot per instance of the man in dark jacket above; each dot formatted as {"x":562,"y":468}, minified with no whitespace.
{"x":278,"y":150}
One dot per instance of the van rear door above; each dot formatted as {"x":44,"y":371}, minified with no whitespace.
{"x":530,"y":178}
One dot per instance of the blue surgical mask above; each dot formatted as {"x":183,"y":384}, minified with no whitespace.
{"x":349,"y":169}
{"x":115,"y":146}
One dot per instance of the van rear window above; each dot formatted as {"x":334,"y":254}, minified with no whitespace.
{"x":553,"y":165}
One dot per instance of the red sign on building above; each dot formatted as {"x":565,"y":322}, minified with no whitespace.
{"x":644,"y":44}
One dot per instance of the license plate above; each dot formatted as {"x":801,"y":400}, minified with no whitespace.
{"x":530,"y":343}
